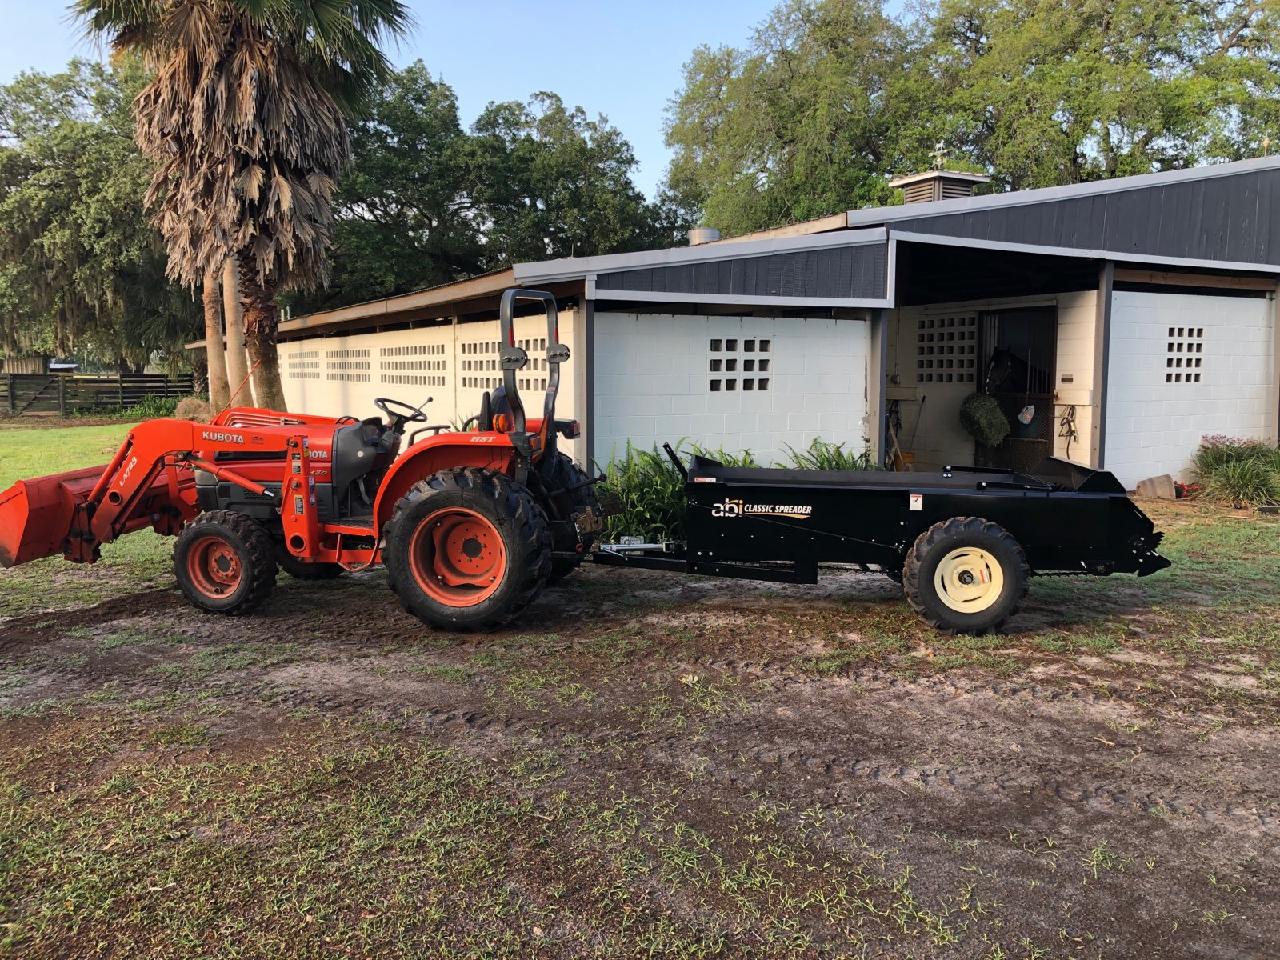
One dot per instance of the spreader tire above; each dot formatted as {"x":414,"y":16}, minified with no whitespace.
{"x":570,"y":490}
{"x":306,"y":571}
{"x":966,"y":575}
{"x":467,"y":549}
{"x":225,"y":562}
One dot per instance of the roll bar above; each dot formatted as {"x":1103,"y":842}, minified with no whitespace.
{"x":512,"y":358}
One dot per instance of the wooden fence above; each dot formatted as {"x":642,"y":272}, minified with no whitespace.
{"x":30,"y":394}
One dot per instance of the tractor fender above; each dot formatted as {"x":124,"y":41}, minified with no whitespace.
{"x":487,"y":450}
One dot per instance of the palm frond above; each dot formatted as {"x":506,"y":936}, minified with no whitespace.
{"x":245,"y":121}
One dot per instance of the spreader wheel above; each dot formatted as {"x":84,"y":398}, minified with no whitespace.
{"x":467,"y":549}
{"x":224,"y":562}
{"x":966,"y":575}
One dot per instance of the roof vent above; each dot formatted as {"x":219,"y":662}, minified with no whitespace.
{"x":700,"y":235}
{"x":937,"y":185}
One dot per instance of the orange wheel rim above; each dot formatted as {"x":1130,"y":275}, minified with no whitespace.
{"x":214,"y":567}
{"x":457,"y":557}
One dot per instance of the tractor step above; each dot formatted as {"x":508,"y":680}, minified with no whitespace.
{"x":360,"y":525}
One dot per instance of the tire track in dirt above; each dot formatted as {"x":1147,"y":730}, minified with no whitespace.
{"x":37,"y":629}
{"x":871,"y":749}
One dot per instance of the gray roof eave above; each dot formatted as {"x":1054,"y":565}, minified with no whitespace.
{"x":543,"y":271}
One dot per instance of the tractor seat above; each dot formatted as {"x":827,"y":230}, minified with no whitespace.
{"x":355,"y":451}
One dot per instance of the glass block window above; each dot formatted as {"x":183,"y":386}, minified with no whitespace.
{"x":1184,"y":355}
{"x":947,"y":349}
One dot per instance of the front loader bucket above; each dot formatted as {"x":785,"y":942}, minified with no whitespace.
{"x":36,"y":515}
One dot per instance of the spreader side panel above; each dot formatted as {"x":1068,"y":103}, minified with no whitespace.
{"x":1059,"y":530}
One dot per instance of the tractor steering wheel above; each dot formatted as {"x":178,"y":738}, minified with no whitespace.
{"x":413,"y":414}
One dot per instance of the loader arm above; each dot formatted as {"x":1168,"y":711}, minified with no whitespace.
{"x":150,"y":482}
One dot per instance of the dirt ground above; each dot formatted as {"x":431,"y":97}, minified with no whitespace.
{"x":649,"y":766}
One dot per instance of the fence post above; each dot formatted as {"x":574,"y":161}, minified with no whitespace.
{"x":12,"y":406}
{"x":62,"y":396}
{"x":120,"y":388}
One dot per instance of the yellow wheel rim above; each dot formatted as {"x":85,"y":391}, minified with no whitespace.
{"x":968,"y":580}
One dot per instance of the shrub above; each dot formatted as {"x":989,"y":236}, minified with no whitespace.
{"x":982,"y":419}
{"x":1244,"y":483}
{"x":149,"y":408}
{"x":1243,"y":472}
{"x":1217,"y":450}
{"x":822,"y":455}
{"x":643,"y":496}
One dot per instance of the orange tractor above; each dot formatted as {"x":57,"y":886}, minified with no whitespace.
{"x":470,"y":525}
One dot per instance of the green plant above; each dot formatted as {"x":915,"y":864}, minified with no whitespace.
{"x":744,"y":459}
{"x":149,"y":408}
{"x":643,"y":496}
{"x":1244,"y":482}
{"x":1216,"y":450}
{"x":982,"y":419}
{"x":1238,"y":470}
{"x":823,"y":455}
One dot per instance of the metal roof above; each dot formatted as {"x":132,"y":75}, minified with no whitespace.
{"x":1018,"y":198}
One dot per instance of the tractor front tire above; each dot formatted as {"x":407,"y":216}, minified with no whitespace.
{"x":966,"y":575}
{"x":225,"y":562}
{"x":467,"y":549}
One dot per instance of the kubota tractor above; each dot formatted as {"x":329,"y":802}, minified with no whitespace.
{"x":470,"y":525}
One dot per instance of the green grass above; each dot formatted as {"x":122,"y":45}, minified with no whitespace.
{"x":134,"y":563}
{"x":33,"y":451}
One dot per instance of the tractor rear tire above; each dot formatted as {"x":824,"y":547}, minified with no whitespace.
{"x":966,"y":575}
{"x":225,"y":562}
{"x":467,"y":549}
{"x":571,"y":491}
{"x":305,"y":571}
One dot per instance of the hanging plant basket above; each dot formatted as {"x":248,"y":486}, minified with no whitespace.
{"x":982,"y":419}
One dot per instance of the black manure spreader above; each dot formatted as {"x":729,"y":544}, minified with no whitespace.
{"x":963,"y":542}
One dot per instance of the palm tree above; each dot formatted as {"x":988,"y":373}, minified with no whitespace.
{"x":219,"y":393}
{"x":245,"y":121}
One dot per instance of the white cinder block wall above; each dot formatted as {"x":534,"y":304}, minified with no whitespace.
{"x":451,"y":363}
{"x":1183,"y":366}
{"x":732,"y":383}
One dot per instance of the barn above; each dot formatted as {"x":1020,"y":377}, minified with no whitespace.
{"x":1114,"y":322}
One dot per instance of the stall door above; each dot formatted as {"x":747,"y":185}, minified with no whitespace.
{"x":1018,"y":347}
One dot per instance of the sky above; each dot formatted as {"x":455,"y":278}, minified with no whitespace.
{"x":621,"y":59}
